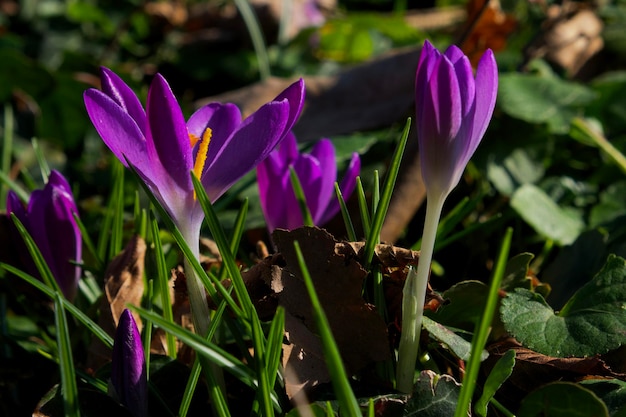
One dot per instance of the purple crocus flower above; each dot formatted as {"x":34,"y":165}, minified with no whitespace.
{"x":317,"y":173}
{"x":214,"y":143}
{"x":453,"y":111}
{"x":128,"y":367}
{"x":49,"y":218}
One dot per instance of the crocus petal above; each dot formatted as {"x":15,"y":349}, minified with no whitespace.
{"x":118,"y":130}
{"x":453,"y":109}
{"x":324,"y":153}
{"x":311,"y":179}
{"x":257,"y":136}
{"x":15,"y":206}
{"x":52,"y":225}
{"x":294,"y":94}
{"x":288,"y":149}
{"x":168,"y":137}
{"x":487,"y":79}
{"x":128,"y":366}
{"x":347,"y":186}
{"x":114,"y":87}
{"x":427,"y":62}
{"x":272,"y":191}
{"x":222,"y":119}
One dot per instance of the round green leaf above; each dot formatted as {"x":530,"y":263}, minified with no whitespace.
{"x":545,"y":216}
{"x":592,"y":322}
{"x":562,"y":399}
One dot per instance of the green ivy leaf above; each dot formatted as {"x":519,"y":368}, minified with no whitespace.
{"x":433,"y":396}
{"x":562,"y":399}
{"x":593,"y":321}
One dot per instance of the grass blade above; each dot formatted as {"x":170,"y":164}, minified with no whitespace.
{"x":307,"y":220}
{"x":7,"y":151}
{"x":256,"y":35}
{"x":66,"y":362}
{"x":339,"y":377}
{"x":365,"y":216}
{"x":71,"y":308}
{"x":381,"y":209}
{"x":484,"y":327}
{"x":163,"y":287}
{"x":345,"y":214}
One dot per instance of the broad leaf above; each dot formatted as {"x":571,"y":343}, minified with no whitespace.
{"x":537,"y":99}
{"x":592,"y":322}
{"x":500,"y":372}
{"x":562,"y":399}
{"x":433,"y":396}
{"x":456,"y":344}
{"x":545,"y":216}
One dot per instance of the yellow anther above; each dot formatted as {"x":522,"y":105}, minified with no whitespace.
{"x":203,"y":149}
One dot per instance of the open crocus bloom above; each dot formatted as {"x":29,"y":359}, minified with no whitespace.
{"x":317,"y":173}
{"x":128,"y":367}
{"x":453,"y":111}
{"x":214,"y":143}
{"x":49,"y":219}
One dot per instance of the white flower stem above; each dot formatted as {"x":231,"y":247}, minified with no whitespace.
{"x":197,"y":300}
{"x":414,"y":295}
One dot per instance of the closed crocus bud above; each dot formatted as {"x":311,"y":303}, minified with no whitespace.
{"x":128,"y":367}
{"x":49,"y":219}
{"x":317,"y":173}
{"x":453,"y":109}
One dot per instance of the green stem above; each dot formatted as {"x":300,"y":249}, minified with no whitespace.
{"x":483,"y":330}
{"x":414,"y":295}
{"x":602,"y":143}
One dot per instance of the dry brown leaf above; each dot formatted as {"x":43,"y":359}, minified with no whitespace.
{"x":388,"y":256}
{"x":533,"y":369}
{"x":488,"y":27}
{"x":123,"y":285}
{"x":358,"y":329}
{"x":123,"y":279}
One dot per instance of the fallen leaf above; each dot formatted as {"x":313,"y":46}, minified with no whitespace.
{"x":359,"y":331}
{"x":533,"y":369}
{"x":123,"y":285}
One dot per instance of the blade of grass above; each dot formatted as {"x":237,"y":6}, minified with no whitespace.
{"x":66,"y":362}
{"x":381,"y":209}
{"x":339,"y":377}
{"x":88,"y":242}
{"x":345,"y":214}
{"x":375,"y":193}
{"x":484,"y":327}
{"x":71,"y":308}
{"x":147,"y":329}
{"x":22,"y":194}
{"x":163,"y":286}
{"x":192,"y":382}
{"x":256,"y":35}
{"x":7,"y":151}
{"x":365,"y":217}
{"x":238,"y":229}
{"x":209,"y":350}
{"x":117,"y":224}
{"x":41,"y":160}
{"x":307,"y":220}
{"x":35,"y":253}
{"x":103,"y":239}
